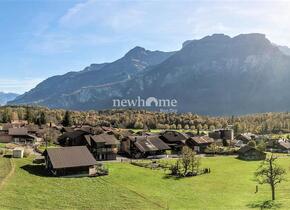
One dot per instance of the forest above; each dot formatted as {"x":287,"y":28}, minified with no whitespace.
{"x":260,"y":123}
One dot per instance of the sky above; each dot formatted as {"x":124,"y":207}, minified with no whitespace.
{"x":43,"y":38}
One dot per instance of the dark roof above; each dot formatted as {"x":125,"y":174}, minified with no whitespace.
{"x":247,"y":148}
{"x":32,"y":128}
{"x":105,"y":138}
{"x":73,"y":135}
{"x":67,"y":129}
{"x":202,"y":139}
{"x":149,"y":143}
{"x":69,"y":157}
{"x":18,"y":131}
{"x":86,"y":128}
{"x":174,"y":136}
{"x":6,"y":126}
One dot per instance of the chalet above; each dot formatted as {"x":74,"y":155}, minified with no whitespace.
{"x":143,"y":146}
{"x":280,"y":145}
{"x":70,"y":161}
{"x":5,"y":137}
{"x":21,"y":135}
{"x":199,"y":143}
{"x":103,"y":146}
{"x":175,"y":140}
{"x":85,"y":128}
{"x":246,"y":137}
{"x":250,"y":153}
{"x":75,"y":138}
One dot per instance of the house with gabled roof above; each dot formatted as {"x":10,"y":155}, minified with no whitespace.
{"x":250,"y":153}
{"x":74,"y":138}
{"x":174,"y":139}
{"x":199,"y":143}
{"x":143,"y":146}
{"x":64,"y":161}
{"x":21,"y":135}
{"x":103,"y":146}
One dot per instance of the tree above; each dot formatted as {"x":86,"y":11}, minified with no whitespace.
{"x":29,"y":115}
{"x":138,"y":125}
{"x":270,"y":173}
{"x":252,"y":143}
{"x":67,"y":121}
{"x":42,"y":118}
{"x":187,"y":165}
{"x":261,"y":146}
{"x":212,"y":148}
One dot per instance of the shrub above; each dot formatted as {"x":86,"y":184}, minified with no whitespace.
{"x":27,"y":152}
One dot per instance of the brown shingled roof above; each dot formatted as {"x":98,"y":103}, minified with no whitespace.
{"x":105,"y":138}
{"x":18,"y":131}
{"x":69,"y":157}
{"x":149,"y":143}
{"x":202,"y":139}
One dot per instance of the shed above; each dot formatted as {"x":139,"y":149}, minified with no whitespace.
{"x":18,"y":152}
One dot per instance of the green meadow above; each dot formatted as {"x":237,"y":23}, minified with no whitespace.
{"x":230,"y":185}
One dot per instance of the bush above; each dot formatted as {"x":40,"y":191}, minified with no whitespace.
{"x":2,"y":151}
{"x":27,"y":152}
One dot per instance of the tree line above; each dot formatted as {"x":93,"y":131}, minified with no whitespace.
{"x":141,"y":119}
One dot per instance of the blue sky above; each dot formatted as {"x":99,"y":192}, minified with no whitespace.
{"x":42,"y":38}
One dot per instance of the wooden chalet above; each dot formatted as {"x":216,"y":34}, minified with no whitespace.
{"x":143,"y":146}
{"x":70,"y":161}
{"x":246,"y":137}
{"x":21,"y":135}
{"x":199,"y":143}
{"x":103,"y":146}
{"x":280,"y":145}
{"x":250,"y":153}
{"x":74,"y":138}
{"x":175,"y":140}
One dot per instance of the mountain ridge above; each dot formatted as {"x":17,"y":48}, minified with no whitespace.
{"x":215,"y":75}
{"x":5,"y":97}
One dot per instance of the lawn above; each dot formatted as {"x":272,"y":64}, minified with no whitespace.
{"x":230,"y":185}
{"x":5,"y":167}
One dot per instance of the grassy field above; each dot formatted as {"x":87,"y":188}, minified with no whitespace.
{"x":230,"y":185}
{"x":5,"y":167}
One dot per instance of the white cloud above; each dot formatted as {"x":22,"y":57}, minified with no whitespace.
{"x":96,"y":23}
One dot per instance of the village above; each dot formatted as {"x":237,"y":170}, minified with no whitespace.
{"x":82,"y":149}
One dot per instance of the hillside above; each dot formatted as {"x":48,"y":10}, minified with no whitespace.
{"x":5,"y":97}
{"x":96,"y":75}
{"x":216,"y":75}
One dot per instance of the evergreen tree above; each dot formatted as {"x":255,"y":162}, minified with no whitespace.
{"x":67,"y":121}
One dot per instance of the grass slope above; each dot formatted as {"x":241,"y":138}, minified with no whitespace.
{"x":230,"y":185}
{"x":5,"y":167}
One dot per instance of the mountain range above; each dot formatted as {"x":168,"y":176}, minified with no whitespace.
{"x":215,"y":75}
{"x":5,"y":97}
